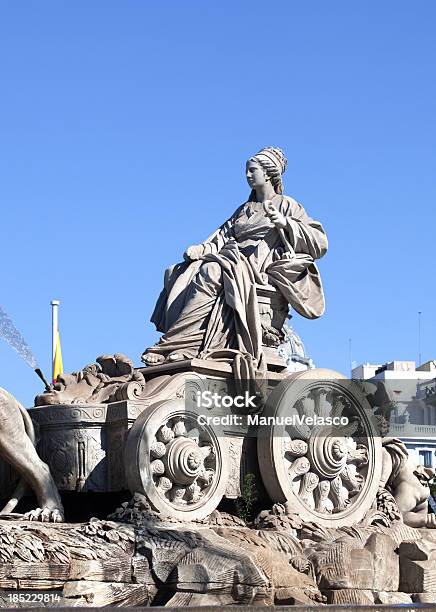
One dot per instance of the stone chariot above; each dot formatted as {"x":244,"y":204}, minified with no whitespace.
{"x":151,"y":440}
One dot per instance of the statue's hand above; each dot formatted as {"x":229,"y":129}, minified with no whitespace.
{"x":264,"y":277}
{"x":431,"y":521}
{"x":275,"y":215}
{"x":194,"y":252}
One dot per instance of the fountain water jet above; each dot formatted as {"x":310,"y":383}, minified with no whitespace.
{"x":10,"y":334}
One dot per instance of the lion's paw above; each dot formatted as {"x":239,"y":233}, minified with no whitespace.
{"x":45,"y":515}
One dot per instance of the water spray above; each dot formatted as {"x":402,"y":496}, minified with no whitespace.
{"x":42,"y":377}
{"x":10,"y":334}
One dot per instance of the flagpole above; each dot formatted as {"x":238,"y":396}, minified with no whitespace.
{"x":54,"y":330}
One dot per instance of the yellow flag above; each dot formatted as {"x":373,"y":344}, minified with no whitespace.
{"x":58,"y":368}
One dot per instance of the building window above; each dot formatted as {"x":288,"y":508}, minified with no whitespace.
{"x":425,"y":458}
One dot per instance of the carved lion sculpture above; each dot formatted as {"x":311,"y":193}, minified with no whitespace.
{"x":17,"y":438}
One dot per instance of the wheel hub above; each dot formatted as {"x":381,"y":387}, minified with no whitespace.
{"x":327,"y":454}
{"x":183,"y":461}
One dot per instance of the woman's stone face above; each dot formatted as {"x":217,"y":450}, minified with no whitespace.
{"x":255,"y":174}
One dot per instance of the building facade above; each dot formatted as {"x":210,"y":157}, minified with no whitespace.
{"x":413,"y":390}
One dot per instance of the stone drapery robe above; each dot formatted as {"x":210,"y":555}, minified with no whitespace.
{"x":208,"y":307}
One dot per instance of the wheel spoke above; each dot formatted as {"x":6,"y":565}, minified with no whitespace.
{"x":323,"y":504}
{"x":323,"y":407}
{"x":306,"y":406}
{"x":308,"y":484}
{"x":294,"y":448}
{"x":339,"y":494}
{"x":298,"y":467}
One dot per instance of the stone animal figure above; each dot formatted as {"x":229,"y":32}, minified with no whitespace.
{"x":408,"y":483}
{"x":96,"y":383}
{"x":17,"y":438}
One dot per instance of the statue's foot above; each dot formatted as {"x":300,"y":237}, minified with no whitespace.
{"x":45,"y":515}
{"x":175,"y":357}
{"x":150,"y":358}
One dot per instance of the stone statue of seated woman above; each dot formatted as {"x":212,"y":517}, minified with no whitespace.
{"x":209,"y":305}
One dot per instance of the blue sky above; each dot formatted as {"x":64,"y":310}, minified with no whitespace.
{"x":124,"y":130}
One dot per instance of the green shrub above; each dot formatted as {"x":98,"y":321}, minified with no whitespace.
{"x":245,"y":504}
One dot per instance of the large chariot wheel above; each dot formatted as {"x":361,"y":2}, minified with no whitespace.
{"x":327,"y":474}
{"x":177,"y":463}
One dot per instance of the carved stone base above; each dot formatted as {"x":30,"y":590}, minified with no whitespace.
{"x":108,"y":563}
